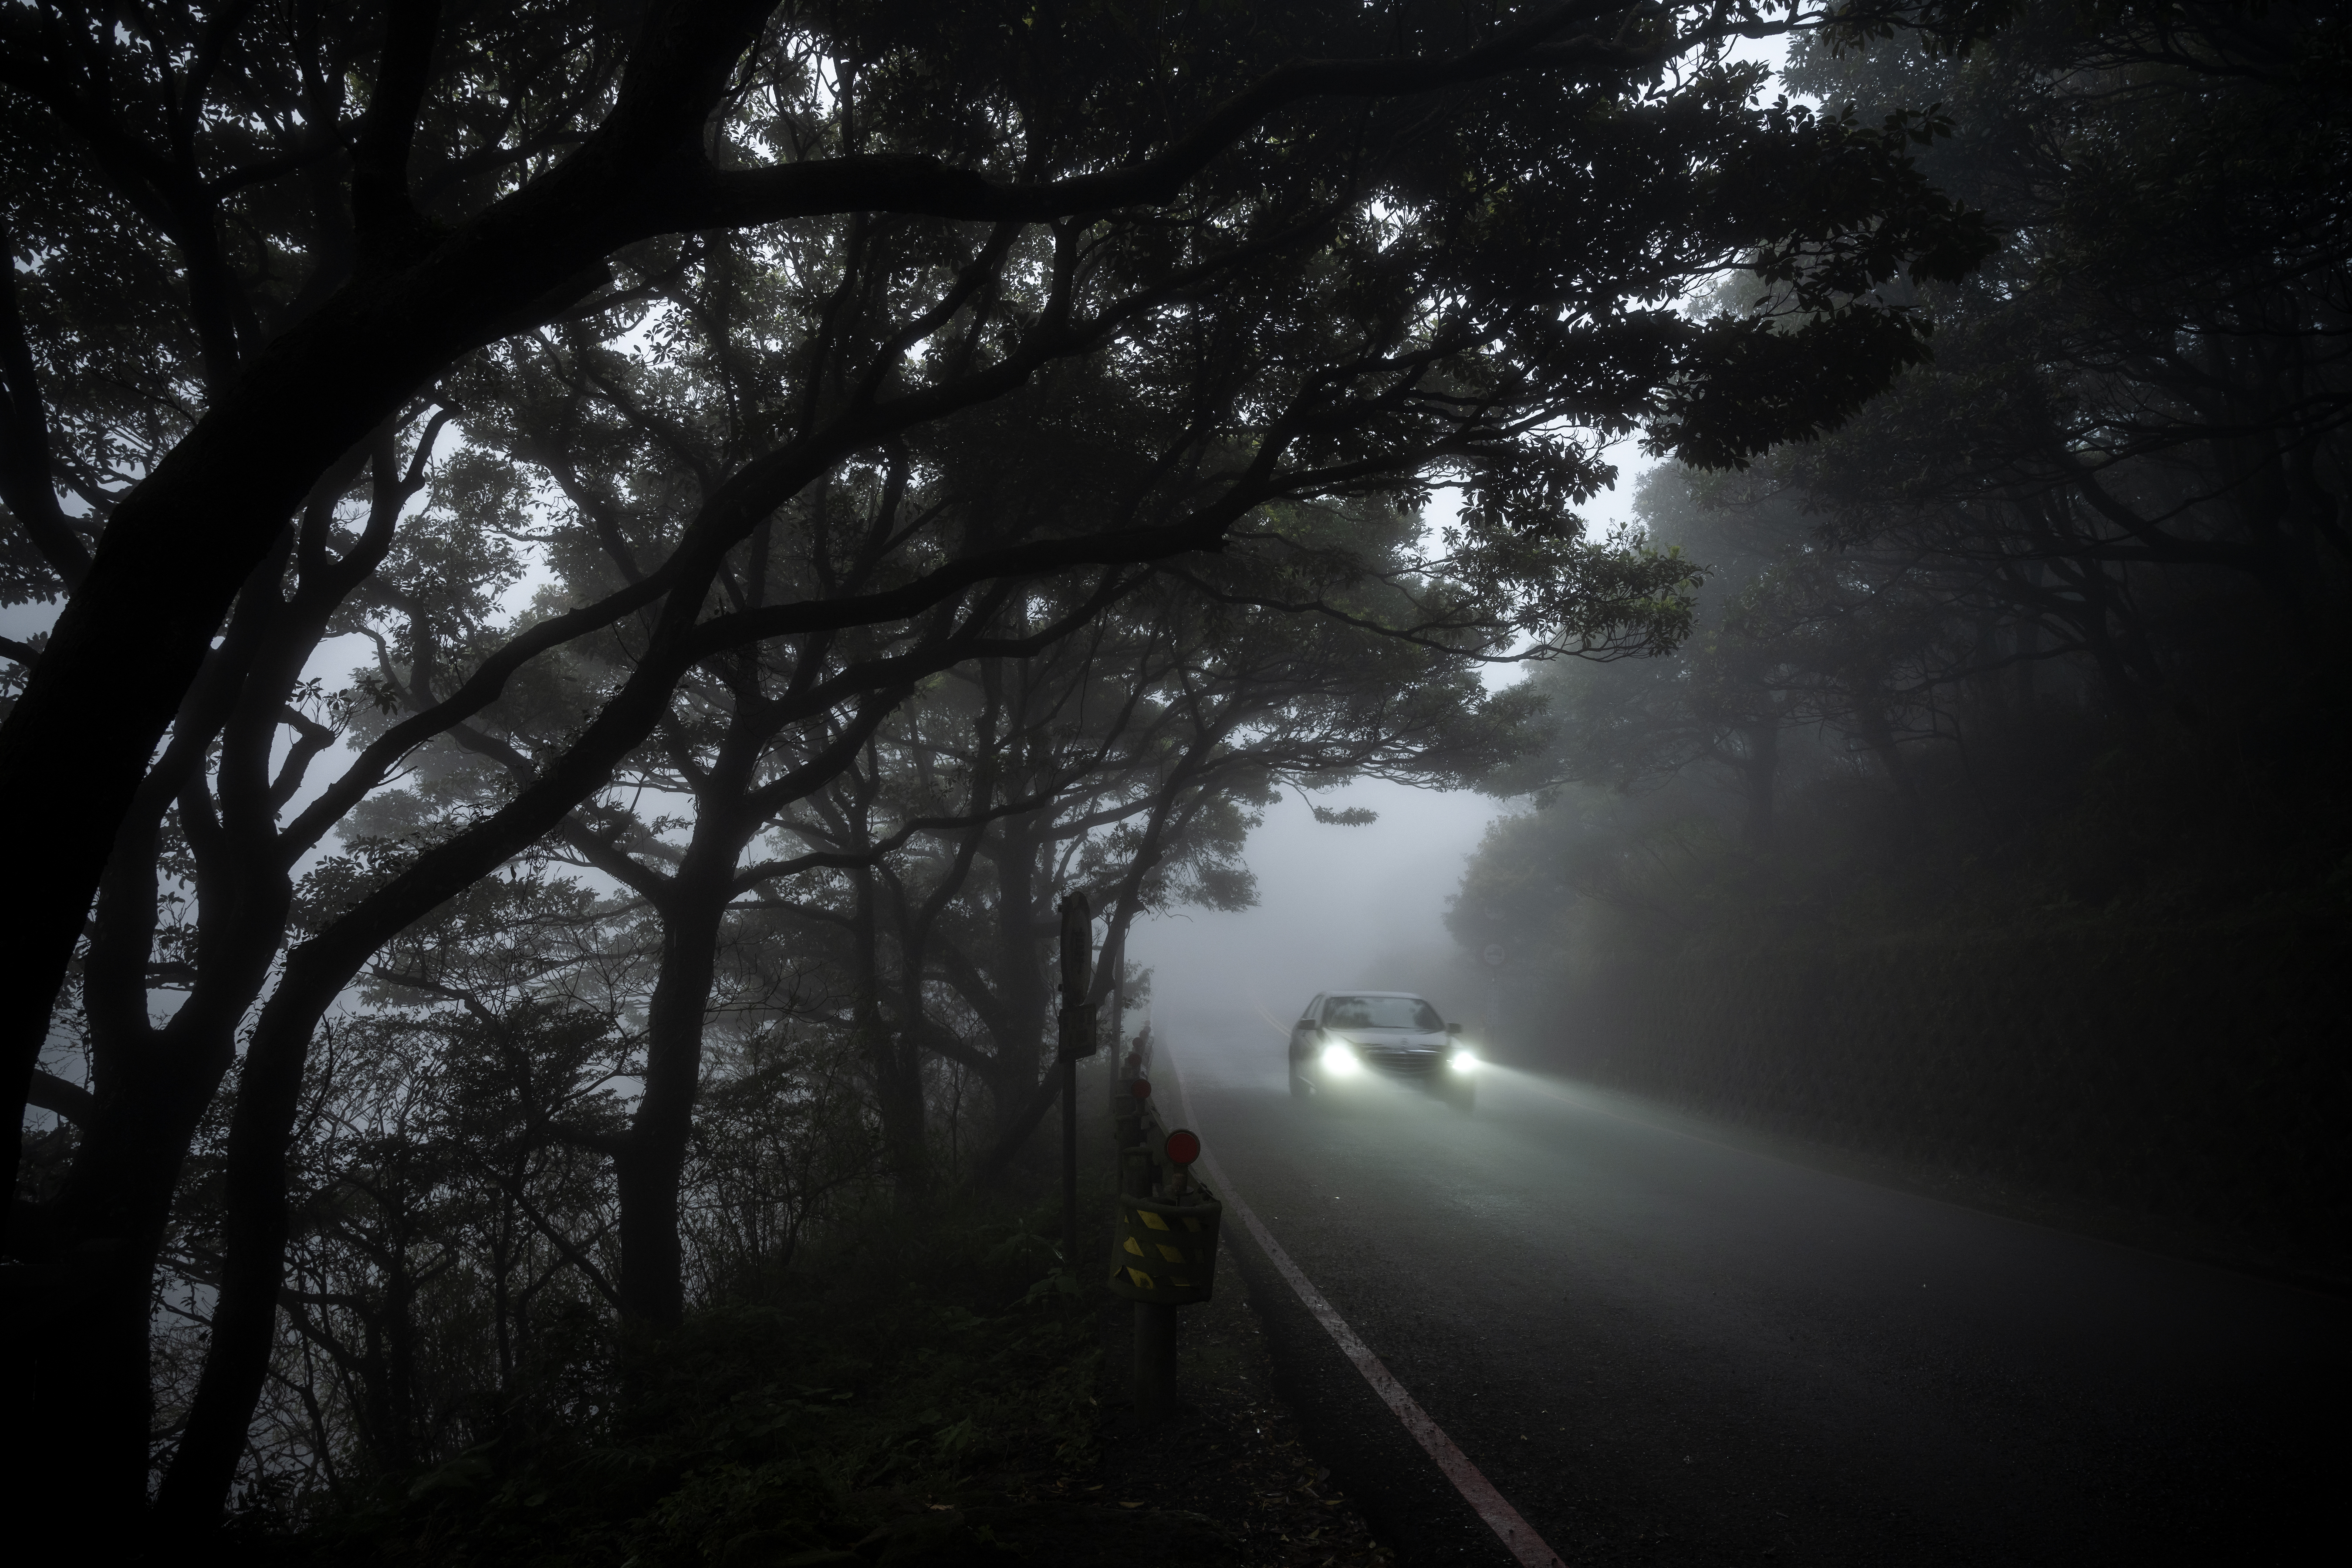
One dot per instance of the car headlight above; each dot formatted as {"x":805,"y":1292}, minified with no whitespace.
{"x":1338,"y":1057}
{"x":1462,"y":1060}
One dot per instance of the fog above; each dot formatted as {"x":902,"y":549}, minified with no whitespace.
{"x":1336,"y":906}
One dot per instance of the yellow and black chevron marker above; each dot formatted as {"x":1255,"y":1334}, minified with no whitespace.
{"x":1165,"y":1250}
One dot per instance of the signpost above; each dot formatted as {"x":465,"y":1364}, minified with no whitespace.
{"x":1076,"y":1039}
{"x":1163,"y":1256}
{"x":1164,"y":1225}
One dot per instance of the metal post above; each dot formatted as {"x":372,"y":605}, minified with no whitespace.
{"x":1068,"y":1068}
{"x":1155,"y":1363}
{"x":1118,"y":1001}
{"x":1076,"y":1039}
{"x":1155,"y":1321}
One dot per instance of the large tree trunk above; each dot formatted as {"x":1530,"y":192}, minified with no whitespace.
{"x":895,"y":1064}
{"x":236,"y":1362}
{"x":653,"y":1164}
{"x":85,"y":1441}
{"x":104,"y":1229}
{"x":134,"y":635}
{"x":96,"y":1243}
{"x":254,"y":1212}
{"x":93,"y":1252}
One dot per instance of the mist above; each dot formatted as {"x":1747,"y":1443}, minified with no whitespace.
{"x":1336,"y":906}
{"x":1361,"y":907}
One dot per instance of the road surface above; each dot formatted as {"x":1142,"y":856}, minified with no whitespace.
{"x":1662,"y":1349}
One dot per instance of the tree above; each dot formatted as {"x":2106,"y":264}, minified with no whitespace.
{"x":1364,"y":302}
{"x":1717,"y":703}
{"x":500,"y":162}
{"x":2034,"y":623}
{"x":2142,"y":398}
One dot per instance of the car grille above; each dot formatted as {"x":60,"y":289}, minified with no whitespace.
{"x":1398,"y":1059}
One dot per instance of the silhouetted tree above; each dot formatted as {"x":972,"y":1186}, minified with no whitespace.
{"x":250,"y":291}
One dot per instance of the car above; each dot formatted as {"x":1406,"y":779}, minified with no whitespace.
{"x":1346,"y":1037}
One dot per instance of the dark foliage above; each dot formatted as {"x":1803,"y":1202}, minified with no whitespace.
{"x":1987,"y":820}
{"x":837,"y":476}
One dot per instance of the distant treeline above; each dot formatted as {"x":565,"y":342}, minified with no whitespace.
{"x":1992,"y":815}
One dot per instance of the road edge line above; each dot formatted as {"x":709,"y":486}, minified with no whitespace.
{"x":1516,"y":1535}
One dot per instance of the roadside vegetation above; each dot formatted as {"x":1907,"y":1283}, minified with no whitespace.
{"x":910,"y":1366}
{"x":1989,"y":821}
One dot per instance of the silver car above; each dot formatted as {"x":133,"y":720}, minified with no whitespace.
{"x":1344,"y":1039}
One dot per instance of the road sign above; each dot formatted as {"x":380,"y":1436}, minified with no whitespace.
{"x":1183,"y":1147}
{"x":1494,"y":956}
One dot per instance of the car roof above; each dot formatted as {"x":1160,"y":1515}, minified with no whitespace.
{"x":1414,"y":994}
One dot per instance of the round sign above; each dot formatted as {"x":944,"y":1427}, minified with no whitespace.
{"x":1494,"y":955}
{"x":1183,"y":1147}
{"x":1141,"y":1088}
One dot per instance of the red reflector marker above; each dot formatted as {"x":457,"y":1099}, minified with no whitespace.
{"x":1141,"y":1088}
{"x":1183,"y":1147}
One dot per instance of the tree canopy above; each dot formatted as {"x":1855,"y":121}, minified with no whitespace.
{"x":834,"y":474}
{"x":2031,"y":628}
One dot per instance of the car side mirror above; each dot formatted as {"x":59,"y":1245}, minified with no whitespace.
{"x":1453,"y":1028}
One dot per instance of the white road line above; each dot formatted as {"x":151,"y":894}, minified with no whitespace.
{"x":1517,"y":1537}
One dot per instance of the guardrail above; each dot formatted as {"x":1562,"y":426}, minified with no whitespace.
{"x":1164,"y":1235}
{"x":1164,"y":1230}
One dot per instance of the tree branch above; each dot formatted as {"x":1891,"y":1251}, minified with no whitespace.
{"x":388,"y":227}
{"x":908,"y":183}
{"x":26,"y":484}
{"x":69,"y":1102}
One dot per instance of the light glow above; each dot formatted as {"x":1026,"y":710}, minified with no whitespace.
{"x":1339,"y":1058}
{"x":1463,"y":1060}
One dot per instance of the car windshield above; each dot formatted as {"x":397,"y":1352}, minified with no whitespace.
{"x":1381,"y":1013}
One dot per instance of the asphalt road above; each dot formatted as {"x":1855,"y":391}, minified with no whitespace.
{"x":1663,"y":1349}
